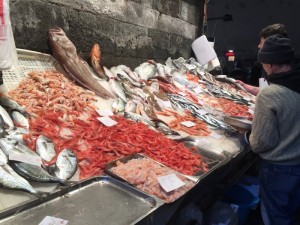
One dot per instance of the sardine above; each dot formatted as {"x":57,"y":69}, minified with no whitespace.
{"x":66,"y":164}
{"x":35,"y":173}
{"x":64,"y":51}
{"x":20,"y":119}
{"x":45,"y":148}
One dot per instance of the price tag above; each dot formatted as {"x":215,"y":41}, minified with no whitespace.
{"x":182,"y":93}
{"x":49,"y":220}
{"x":198,"y":90}
{"x":154,"y":87}
{"x":104,"y":112}
{"x":107,"y":121}
{"x":168,"y":104}
{"x":188,"y":123}
{"x":170,"y":182}
{"x":25,"y":158}
{"x":163,"y":104}
{"x":216,"y":135}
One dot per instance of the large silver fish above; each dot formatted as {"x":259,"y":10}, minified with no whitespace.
{"x":14,"y":181}
{"x":66,"y":164}
{"x":45,"y":148}
{"x":6,"y":119}
{"x":117,"y":89}
{"x":35,"y":173}
{"x":64,"y":51}
{"x":11,"y":104}
{"x":20,"y":119}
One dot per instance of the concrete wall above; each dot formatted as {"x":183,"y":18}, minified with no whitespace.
{"x":129,"y":31}
{"x":249,"y":17}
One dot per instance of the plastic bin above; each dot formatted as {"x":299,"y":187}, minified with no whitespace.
{"x":245,"y":200}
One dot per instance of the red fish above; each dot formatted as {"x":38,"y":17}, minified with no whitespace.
{"x":64,"y":51}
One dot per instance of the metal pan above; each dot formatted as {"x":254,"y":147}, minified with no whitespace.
{"x":98,"y":200}
{"x":108,"y":169}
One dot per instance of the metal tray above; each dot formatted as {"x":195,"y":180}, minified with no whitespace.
{"x":213,"y":156}
{"x":98,"y":200}
{"x":110,"y":165}
{"x":238,"y":123}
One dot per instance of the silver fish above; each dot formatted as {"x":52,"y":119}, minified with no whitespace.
{"x":11,"y":104}
{"x":66,"y":164}
{"x":45,"y":148}
{"x":16,"y":182}
{"x":35,"y":173}
{"x":64,"y":51}
{"x":117,"y":89}
{"x":20,"y":119}
{"x":3,"y":158}
{"x":9,"y":145}
{"x":5,"y":118}
{"x":17,"y":134}
{"x":109,"y":74}
{"x":130,"y":106}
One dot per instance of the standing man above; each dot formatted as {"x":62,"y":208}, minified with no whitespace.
{"x":265,"y":33}
{"x":275,"y":134}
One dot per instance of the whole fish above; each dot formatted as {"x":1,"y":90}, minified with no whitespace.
{"x":35,"y":173}
{"x":5,"y":119}
{"x":64,"y":51}
{"x":20,"y":119}
{"x":117,"y":89}
{"x":122,"y":74}
{"x":9,"y":145}
{"x":130,"y":106}
{"x":14,"y":181}
{"x":17,"y":134}
{"x":45,"y":148}
{"x":109,"y":74}
{"x":66,"y":164}
{"x":11,"y":104}
{"x":96,"y":61}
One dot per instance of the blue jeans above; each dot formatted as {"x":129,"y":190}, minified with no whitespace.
{"x":280,"y":193}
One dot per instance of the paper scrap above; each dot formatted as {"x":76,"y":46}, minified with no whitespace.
{"x":49,"y":220}
{"x":25,"y":158}
{"x":182,"y":93}
{"x":104,"y":112}
{"x":201,"y":111}
{"x":188,"y":123}
{"x":107,"y":121}
{"x":170,"y":182}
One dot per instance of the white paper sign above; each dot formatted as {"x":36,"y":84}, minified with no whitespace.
{"x":168,"y":104}
{"x":163,"y":104}
{"x":188,"y":123}
{"x":104,"y":112}
{"x":182,"y":93}
{"x":203,"y":50}
{"x":107,"y":121}
{"x":170,"y":182}
{"x":25,"y":158}
{"x":198,"y":90}
{"x":49,"y":220}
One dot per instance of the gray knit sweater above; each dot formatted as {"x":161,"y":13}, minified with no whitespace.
{"x":275,"y":132}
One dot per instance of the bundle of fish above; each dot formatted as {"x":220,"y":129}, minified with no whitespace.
{"x":14,"y":173}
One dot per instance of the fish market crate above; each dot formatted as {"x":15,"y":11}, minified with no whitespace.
{"x":28,"y":61}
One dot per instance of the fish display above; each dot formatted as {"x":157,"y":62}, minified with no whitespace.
{"x":64,"y":51}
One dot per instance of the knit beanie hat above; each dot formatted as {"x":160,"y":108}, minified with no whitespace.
{"x":276,"y":50}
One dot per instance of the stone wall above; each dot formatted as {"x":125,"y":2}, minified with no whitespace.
{"x":128,"y":31}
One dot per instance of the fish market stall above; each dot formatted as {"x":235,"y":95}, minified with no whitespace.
{"x":66,"y":125}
